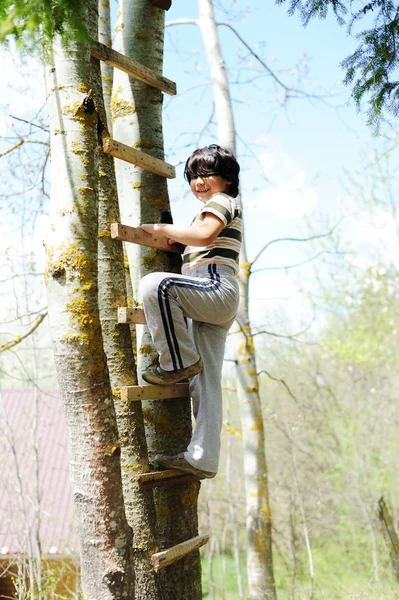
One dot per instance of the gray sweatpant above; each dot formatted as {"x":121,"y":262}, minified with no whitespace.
{"x":188,"y":317}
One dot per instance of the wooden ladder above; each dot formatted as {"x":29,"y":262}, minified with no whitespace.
{"x":135,"y":316}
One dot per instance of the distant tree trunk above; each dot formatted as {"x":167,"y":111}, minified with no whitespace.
{"x":137,"y":121}
{"x":259,"y":551}
{"x":71,"y":277}
{"x":390,"y":535}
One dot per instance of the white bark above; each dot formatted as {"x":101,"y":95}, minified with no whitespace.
{"x":139,"y":505}
{"x":107,"y":72}
{"x":71,"y":277}
{"x":259,"y":550}
{"x":137,"y":121}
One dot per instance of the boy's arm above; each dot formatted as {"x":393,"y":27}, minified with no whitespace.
{"x":202,"y":233}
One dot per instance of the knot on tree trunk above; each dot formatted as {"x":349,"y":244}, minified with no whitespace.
{"x":113,"y":579}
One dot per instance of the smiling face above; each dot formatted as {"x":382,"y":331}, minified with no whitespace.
{"x":204,"y":187}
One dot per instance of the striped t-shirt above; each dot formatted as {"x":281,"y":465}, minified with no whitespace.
{"x":225,"y":249}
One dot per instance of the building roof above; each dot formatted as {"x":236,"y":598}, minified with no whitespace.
{"x":35,"y":492}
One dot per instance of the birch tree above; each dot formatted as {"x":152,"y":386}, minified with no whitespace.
{"x":72,"y":287}
{"x":258,"y":518}
{"x":136,"y":111}
{"x":259,"y":541}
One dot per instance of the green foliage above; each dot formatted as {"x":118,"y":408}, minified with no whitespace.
{"x":370,"y":70}
{"x":364,"y":332}
{"x":33,"y":23}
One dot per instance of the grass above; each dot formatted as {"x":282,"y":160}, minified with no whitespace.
{"x":220,"y":583}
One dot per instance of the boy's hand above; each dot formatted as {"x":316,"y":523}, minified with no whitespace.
{"x":148,"y":227}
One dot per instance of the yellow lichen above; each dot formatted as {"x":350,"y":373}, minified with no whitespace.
{"x":120,"y":107}
{"x":189,"y":496}
{"x":119,"y":28}
{"x":84,"y":191}
{"x":151,"y":260}
{"x":145,"y":144}
{"x":83,"y":88}
{"x":112,"y":448}
{"x":163,"y":512}
{"x":79,"y":309}
{"x":146,"y":349}
{"x":104,"y":233}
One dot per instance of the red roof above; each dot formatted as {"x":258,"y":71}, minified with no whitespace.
{"x":35,"y":492}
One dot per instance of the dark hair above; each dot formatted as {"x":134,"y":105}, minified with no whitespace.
{"x":214,"y":160}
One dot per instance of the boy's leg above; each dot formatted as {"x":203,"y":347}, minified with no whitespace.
{"x":165,"y":319}
{"x":169,"y":299}
{"x":206,"y":392}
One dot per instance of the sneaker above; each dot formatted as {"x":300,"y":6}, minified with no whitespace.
{"x":158,"y":376}
{"x":179,"y":462}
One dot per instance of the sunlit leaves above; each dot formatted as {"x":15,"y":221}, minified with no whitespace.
{"x":370,"y":70}
{"x":33,"y":23}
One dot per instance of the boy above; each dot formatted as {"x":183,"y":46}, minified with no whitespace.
{"x":189,"y":315}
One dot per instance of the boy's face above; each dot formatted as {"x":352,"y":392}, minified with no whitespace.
{"x":204,"y":187}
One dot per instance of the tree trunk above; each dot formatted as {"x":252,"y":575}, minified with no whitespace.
{"x":259,"y":551}
{"x":139,"y":506}
{"x":137,"y":121}
{"x":390,"y":535}
{"x":71,"y":277}
{"x":107,"y":72}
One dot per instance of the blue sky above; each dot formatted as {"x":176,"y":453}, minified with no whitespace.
{"x":301,"y":150}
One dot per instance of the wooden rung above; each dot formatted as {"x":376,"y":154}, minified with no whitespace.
{"x":132,"y":315}
{"x":135,"y":235}
{"x":164,"y":478}
{"x":132,"y":68}
{"x":136,"y":393}
{"x":138,"y":158}
{"x":167,"y":557}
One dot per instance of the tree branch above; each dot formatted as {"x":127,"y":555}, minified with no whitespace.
{"x":181,"y":22}
{"x":279,"y":381}
{"x":300,"y":264}
{"x":14,"y":147}
{"x":289,"y":239}
{"x":30,"y":123}
{"x":19,"y":338}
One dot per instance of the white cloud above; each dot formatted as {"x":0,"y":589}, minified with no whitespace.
{"x":375,"y":232}
{"x":291,"y":194}
{"x":287,"y":204}
{"x":22,"y":87}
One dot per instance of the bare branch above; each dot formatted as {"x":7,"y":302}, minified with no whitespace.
{"x":288,"y":337}
{"x":14,"y":147}
{"x":288,"y":90}
{"x":300,"y":264}
{"x":20,"y":142}
{"x":30,"y":123}
{"x":181,"y":22}
{"x":19,"y":338}
{"x":279,"y":381}
{"x":289,"y":239}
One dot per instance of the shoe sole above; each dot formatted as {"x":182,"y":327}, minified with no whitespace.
{"x":193,"y":471}
{"x":150,"y":378}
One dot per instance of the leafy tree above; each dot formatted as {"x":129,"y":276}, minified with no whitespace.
{"x":371,"y":69}
{"x":32,"y":22}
